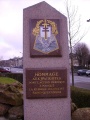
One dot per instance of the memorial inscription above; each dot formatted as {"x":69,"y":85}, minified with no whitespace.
{"x":46,"y":83}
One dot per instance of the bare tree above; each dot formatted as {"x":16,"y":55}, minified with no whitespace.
{"x":1,"y":58}
{"x":89,"y":61}
{"x":74,"y":30}
{"x":82,"y":54}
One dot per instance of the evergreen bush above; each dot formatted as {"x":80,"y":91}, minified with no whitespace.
{"x":80,"y":96}
{"x":16,"y":76}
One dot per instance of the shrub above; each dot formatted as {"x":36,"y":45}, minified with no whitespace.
{"x":16,"y":76}
{"x":80,"y":96}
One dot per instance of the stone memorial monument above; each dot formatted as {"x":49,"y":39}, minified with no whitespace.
{"x":46,"y":64}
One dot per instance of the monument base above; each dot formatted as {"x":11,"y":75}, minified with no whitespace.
{"x":47,"y":109}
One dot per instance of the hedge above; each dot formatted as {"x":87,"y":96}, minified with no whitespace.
{"x":16,"y":76}
{"x":80,"y":96}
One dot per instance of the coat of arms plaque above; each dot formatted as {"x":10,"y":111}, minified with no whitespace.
{"x":45,"y":38}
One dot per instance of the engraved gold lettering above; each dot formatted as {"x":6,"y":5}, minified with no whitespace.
{"x":48,"y":85}
{"x":46,"y":74}
{"x":46,"y":92}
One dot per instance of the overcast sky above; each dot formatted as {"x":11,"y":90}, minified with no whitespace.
{"x":11,"y":23}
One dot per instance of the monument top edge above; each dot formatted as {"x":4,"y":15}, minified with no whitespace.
{"x":44,"y":5}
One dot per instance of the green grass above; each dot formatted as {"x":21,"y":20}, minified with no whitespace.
{"x":7,"y":80}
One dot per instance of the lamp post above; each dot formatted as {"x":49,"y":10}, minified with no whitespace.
{"x":89,"y":56}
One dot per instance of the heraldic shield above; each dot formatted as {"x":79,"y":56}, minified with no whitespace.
{"x":45,"y":32}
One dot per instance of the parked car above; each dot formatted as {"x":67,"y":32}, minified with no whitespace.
{"x":2,"y":70}
{"x":82,"y":71}
{"x":88,"y":72}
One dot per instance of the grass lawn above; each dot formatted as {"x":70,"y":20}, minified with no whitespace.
{"x":7,"y":80}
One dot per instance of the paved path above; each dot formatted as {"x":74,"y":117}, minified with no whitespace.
{"x":81,"y":81}
{"x":85,"y":85}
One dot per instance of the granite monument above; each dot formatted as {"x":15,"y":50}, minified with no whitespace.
{"x":46,"y":64}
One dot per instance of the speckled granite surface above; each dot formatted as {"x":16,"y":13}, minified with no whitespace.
{"x":52,"y":108}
